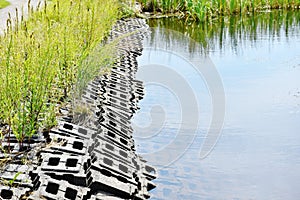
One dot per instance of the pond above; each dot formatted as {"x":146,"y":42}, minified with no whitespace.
{"x":221,"y":111}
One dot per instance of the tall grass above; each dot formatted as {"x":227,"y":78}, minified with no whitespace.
{"x":202,"y":10}
{"x":4,"y":3}
{"x":44,"y":56}
{"x":226,"y":32}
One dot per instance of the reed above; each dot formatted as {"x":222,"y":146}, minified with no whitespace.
{"x":203,"y":10}
{"x":211,"y":36}
{"x":43,"y":56}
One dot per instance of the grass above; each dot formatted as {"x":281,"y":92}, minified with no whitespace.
{"x":229,"y":29}
{"x":43,"y":60}
{"x":203,"y":10}
{"x":4,"y":4}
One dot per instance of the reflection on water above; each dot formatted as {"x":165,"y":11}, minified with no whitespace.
{"x":231,"y":32}
{"x":257,"y":155}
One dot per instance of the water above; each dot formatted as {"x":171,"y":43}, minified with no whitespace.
{"x":257,"y":62}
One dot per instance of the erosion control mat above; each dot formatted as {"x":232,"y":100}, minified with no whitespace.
{"x":87,"y":157}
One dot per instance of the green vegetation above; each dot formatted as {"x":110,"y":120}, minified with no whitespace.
{"x":3,"y":4}
{"x":203,"y":10}
{"x":11,"y":182}
{"x":229,"y":31}
{"x":55,"y":51}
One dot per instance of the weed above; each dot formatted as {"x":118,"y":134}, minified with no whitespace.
{"x":11,"y":182}
{"x":212,"y":35}
{"x":44,"y":56}
{"x":202,"y":10}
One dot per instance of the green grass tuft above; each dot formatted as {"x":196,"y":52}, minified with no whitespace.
{"x":204,"y":10}
{"x":43,"y":58}
{"x":4,"y":4}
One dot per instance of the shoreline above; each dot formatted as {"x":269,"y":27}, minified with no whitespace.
{"x":92,"y":153}
{"x":203,"y":14}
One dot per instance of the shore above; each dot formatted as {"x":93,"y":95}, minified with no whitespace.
{"x":90,"y":154}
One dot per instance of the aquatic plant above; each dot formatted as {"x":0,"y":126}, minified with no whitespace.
{"x":203,"y":10}
{"x":213,"y":35}
{"x":44,"y":55}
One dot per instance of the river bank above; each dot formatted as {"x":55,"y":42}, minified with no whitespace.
{"x":88,"y":152}
{"x":205,"y":10}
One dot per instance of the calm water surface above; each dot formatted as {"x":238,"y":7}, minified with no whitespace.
{"x":258,"y":153}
